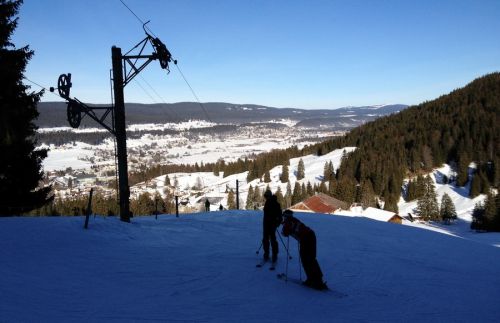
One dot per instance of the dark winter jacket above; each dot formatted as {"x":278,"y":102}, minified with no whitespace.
{"x":272,"y":213}
{"x":293,"y":227}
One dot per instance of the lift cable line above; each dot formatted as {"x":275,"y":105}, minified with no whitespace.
{"x":162,"y":100}
{"x":144,"y":24}
{"x":42,"y":87}
{"x":175,"y":61}
{"x":136,"y":16}
{"x":194,"y":94}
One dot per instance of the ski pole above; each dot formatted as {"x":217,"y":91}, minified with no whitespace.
{"x":281,"y":239}
{"x":300,"y":262}
{"x":257,"y":252}
{"x":286,"y":270}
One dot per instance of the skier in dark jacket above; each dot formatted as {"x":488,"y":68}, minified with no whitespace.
{"x":272,"y":219}
{"x":307,"y":242}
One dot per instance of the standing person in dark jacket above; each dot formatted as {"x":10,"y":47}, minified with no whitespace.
{"x":272,"y":219}
{"x":307,"y":242}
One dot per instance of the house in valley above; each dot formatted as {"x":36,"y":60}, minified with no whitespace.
{"x":320,"y":203}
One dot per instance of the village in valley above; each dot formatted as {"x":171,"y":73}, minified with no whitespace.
{"x":74,"y":168}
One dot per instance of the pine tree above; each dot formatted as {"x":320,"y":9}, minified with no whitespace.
{"x":420,"y":187}
{"x":346,"y":190}
{"x":279,"y":197}
{"x":303,"y":190}
{"x":322,"y":188}
{"x":231,"y":200}
{"x":297,"y":194}
{"x":20,"y":163}
{"x":367,"y":196}
{"x":169,"y":204}
{"x":251,"y":173}
{"x":328,"y":171}
{"x":288,"y":195}
{"x":478,"y":219}
{"x":99,"y":205}
{"x":490,"y":211}
{"x":432,"y":197}
{"x":427,"y":206}
{"x":447,"y":211}
{"x":267,"y":177}
{"x":257,"y":197}
{"x":391,"y":204}
{"x":249,"y":204}
{"x":331,"y":170}
{"x":309,"y":188}
{"x":167,"y":181}
{"x":159,"y":203}
{"x":475,"y":186}
{"x":143,"y":205}
{"x":284,"y":174}
{"x":332,"y":187}
{"x":411,"y":191}
{"x":301,"y":170}
{"x":326,"y":175}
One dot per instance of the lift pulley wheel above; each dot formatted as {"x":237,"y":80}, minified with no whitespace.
{"x":64,"y":85}
{"x":162,"y":53}
{"x":74,"y":114}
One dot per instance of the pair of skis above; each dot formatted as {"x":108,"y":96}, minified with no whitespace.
{"x":331,"y":292}
{"x":284,"y":277}
{"x":263,"y":262}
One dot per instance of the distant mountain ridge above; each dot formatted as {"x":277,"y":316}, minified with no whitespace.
{"x":53,"y":114}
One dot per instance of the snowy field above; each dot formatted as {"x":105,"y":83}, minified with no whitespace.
{"x":201,"y":268}
{"x":183,"y":148}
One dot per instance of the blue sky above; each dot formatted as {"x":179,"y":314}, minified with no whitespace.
{"x":301,"y":54}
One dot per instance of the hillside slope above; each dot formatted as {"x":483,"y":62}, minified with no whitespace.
{"x":201,"y":268}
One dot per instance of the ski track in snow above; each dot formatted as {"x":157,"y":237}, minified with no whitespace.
{"x":201,"y":268}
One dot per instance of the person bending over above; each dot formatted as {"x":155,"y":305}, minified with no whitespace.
{"x":307,"y":249}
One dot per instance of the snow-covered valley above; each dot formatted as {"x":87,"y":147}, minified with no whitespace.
{"x":75,"y":167}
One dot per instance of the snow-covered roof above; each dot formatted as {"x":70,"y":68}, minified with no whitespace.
{"x":319,"y":203}
{"x":378,"y":214}
{"x":370,"y":212}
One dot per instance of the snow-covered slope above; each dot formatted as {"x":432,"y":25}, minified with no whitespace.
{"x":201,"y":268}
{"x":215,"y":186}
